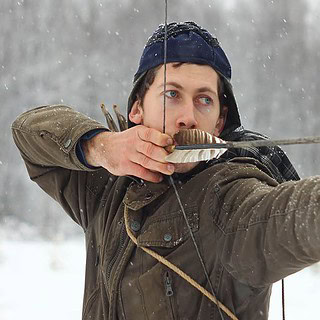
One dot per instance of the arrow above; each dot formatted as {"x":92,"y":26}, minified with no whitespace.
{"x":248,"y":144}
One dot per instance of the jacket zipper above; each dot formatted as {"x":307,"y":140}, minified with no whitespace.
{"x":117,"y":254}
{"x":168,"y":284}
{"x":169,"y":291}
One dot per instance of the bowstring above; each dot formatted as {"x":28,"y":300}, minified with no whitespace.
{"x":171,"y":179}
{"x":165,"y":64}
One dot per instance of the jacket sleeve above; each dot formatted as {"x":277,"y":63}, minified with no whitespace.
{"x":270,"y":230}
{"x":46,"y":138}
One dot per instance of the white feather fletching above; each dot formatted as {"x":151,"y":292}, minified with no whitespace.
{"x":195,"y":136}
{"x":184,"y":156}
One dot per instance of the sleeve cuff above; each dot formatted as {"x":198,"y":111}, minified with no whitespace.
{"x":79,"y":150}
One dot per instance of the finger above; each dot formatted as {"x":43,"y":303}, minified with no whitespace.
{"x":145,"y":174}
{"x":152,"y":151}
{"x":154,"y":136}
{"x":148,"y":163}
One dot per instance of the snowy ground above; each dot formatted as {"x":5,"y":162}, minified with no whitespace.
{"x":41,"y":280}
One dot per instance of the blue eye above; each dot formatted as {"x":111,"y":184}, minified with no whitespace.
{"x":171,"y":94}
{"x":206,"y":100}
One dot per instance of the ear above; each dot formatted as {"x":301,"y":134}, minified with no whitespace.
{"x":221,"y":121}
{"x":136,"y":113}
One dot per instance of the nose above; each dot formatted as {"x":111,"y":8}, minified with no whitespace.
{"x":186,"y":118}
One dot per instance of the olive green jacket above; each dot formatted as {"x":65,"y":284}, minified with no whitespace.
{"x":250,"y":230}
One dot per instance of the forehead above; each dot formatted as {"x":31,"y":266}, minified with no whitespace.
{"x":197,"y":74}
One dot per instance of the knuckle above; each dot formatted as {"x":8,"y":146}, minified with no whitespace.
{"x":149,"y":148}
{"x":139,"y":146}
{"x":145,"y":161}
{"x":148,"y":134}
{"x":140,"y":172}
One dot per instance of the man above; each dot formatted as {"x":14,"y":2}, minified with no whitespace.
{"x":251,"y":228}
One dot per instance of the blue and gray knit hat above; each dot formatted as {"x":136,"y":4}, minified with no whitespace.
{"x":188,"y":42}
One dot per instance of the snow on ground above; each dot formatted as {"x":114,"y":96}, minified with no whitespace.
{"x":44,"y":280}
{"x":41,"y":280}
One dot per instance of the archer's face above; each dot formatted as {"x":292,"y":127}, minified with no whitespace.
{"x":191,"y":102}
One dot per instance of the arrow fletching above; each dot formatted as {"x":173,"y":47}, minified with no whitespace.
{"x":194,"y":145}
{"x":193,"y":137}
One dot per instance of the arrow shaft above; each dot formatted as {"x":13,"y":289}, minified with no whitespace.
{"x":252,"y":143}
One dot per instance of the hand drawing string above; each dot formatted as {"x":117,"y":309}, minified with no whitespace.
{"x":171,"y":179}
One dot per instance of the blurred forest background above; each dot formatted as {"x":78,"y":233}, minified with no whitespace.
{"x":82,"y":53}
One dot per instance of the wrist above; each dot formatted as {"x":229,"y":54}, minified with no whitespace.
{"x":94,"y":148}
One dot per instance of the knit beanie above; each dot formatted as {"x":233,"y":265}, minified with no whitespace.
{"x":188,"y":42}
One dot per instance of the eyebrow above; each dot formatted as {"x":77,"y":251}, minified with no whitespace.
{"x":174,"y":84}
{"x":178,"y":86}
{"x":207,"y":89}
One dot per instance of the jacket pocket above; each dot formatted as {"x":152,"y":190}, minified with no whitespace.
{"x":156,"y":292}
{"x":169,"y":230}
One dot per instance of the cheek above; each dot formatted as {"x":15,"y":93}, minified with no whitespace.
{"x":208,"y":121}
{"x":152,"y":113}
{"x":153,"y":117}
